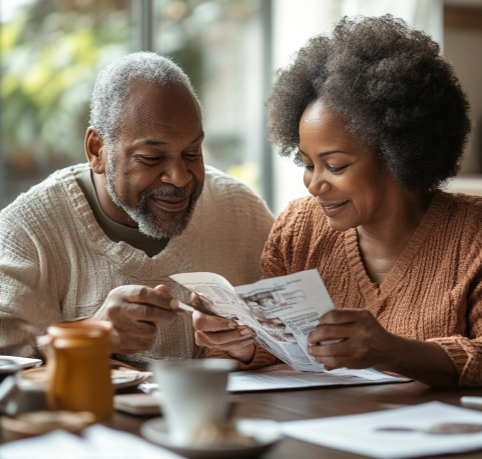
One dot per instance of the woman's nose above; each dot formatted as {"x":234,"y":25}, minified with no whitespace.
{"x":318,"y":185}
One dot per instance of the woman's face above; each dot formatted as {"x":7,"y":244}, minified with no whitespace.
{"x":341,"y":173}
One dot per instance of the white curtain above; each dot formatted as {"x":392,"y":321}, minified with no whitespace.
{"x":426,"y":15}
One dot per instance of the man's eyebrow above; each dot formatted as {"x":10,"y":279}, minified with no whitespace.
{"x":326,"y":153}
{"x":155,"y":142}
{"x":158,"y":142}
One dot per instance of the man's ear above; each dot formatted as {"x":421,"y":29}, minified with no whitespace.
{"x":95,"y":150}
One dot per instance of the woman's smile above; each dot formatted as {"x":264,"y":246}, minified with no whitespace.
{"x":332,"y":209}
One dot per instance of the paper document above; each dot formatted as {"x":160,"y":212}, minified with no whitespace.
{"x":394,"y":434}
{"x":281,"y":311}
{"x":23,"y":362}
{"x":97,"y":442}
{"x":284,"y":377}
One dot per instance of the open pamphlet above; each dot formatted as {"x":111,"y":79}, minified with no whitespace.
{"x":283,"y":377}
{"x":281,"y":311}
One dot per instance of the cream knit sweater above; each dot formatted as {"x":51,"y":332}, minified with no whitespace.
{"x":57,"y":264}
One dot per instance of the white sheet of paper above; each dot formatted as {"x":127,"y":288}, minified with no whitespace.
{"x":22,"y":361}
{"x":99,"y":443}
{"x":55,"y":445}
{"x":284,"y":377}
{"x":358,"y":433}
{"x":113,"y":444}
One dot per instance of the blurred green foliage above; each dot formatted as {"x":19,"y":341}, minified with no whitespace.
{"x":51,"y":51}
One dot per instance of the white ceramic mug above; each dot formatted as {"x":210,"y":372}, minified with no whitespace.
{"x":193,"y":393}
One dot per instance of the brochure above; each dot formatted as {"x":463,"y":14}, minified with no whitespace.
{"x":281,"y":311}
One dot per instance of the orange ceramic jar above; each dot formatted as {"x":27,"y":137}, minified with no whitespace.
{"x":78,"y":368}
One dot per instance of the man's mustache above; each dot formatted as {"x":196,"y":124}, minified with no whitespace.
{"x":171,"y":191}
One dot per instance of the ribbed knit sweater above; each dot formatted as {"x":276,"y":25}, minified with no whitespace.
{"x":57,"y":264}
{"x":432,"y":293}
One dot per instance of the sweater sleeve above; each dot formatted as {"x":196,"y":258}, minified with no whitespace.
{"x":27,"y":293}
{"x":465,"y":352}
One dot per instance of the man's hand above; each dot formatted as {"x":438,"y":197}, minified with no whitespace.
{"x":134,"y":311}
{"x":364,"y":343}
{"x":218,"y":333}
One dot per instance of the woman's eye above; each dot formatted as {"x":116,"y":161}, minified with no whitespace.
{"x":309,"y":167}
{"x":335,"y":169}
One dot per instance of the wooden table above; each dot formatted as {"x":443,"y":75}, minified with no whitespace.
{"x":319,"y":403}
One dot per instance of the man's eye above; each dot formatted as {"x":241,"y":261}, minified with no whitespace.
{"x":152,"y":158}
{"x":309,"y":167}
{"x":192,"y":155}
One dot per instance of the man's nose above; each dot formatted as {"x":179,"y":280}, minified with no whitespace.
{"x":176,"y":173}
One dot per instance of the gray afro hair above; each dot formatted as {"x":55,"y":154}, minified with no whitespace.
{"x":112,"y":86}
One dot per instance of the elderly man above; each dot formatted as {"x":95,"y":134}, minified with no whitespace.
{"x":97,"y":241}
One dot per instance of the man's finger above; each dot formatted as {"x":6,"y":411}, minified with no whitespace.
{"x":204,"y":323}
{"x":148,"y":313}
{"x":146,"y":295}
{"x":162,"y":288}
{"x":136,"y":328}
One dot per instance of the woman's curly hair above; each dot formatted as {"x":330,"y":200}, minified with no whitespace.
{"x":394,"y":91}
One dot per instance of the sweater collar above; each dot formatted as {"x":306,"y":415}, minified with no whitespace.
{"x":406,"y":258}
{"x":127,"y":257}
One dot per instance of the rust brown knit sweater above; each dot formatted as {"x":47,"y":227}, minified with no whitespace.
{"x":434,"y":291}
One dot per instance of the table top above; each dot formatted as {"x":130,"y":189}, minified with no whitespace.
{"x":324,"y":402}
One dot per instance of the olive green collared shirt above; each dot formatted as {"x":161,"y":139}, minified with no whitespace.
{"x":116,"y":232}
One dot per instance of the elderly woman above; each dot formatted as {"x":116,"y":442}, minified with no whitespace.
{"x":379,"y":122}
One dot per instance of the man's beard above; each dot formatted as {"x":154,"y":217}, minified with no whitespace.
{"x":170,"y":224}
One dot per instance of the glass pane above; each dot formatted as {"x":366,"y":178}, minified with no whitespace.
{"x":51,"y":52}
{"x":219,"y":45}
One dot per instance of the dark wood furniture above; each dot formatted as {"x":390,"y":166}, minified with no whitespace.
{"x":318,"y":403}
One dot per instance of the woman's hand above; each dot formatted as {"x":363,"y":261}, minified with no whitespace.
{"x":364,"y":343}
{"x":226,"y":335}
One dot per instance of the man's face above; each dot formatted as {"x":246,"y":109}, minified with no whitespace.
{"x":155,"y":170}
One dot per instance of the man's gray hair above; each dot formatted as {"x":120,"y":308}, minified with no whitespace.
{"x":112,"y":86}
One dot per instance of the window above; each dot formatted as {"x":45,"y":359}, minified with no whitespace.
{"x":52,"y":51}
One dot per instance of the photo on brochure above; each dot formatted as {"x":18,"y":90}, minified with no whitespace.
{"x":281,"y":311}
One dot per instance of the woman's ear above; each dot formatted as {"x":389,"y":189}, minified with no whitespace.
{"x":95,"y":150}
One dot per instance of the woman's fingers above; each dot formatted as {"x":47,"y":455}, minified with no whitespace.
{"x":341,"y":316}
{"x":223,"y":334}
{"x":362,"y":340}
{"x":195,"y":301}
{"x":331,"y":332}
{"x":205,"y":323}
{"x":214,"y":339}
